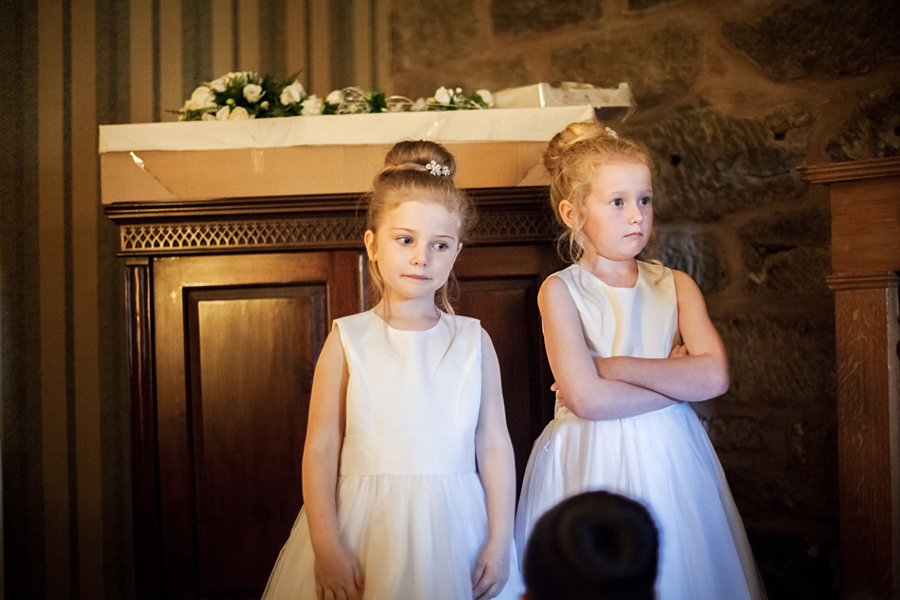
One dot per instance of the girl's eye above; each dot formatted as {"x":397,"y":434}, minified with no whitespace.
{"x":645,"y":200}
{"x":617,"y":202}
{"x":405,"y":240}
{"x":441,"y":246}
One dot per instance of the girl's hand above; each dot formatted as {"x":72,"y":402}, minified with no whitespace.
{"x":679,"y":351}
{"x":338,"y":574}
{"x":491,"y":571}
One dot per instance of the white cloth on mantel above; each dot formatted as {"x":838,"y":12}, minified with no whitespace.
{"x":663,"y":459}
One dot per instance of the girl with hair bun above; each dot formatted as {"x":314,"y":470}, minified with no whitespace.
{"x":408,"y":475}
{"x":630,"y":344}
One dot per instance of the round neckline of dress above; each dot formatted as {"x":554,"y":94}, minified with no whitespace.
{"x":614,"y":287}
{"x":392,"y":328}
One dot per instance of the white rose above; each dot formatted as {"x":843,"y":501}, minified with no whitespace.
{"x":221,"y":83}
{"x":264,"y":104}
{"x":201,"y":98}
{"x":335,"y":97}
{"x":253,"y":92}
{"x":239,"y":114}
{"x":239,"y":78}
{"x":487,"y":97}
{"x":442,"y":96}
{"x":222,"y":113}
{"x":292,"y":93}
{"x":313,"y":105}
{"x":208,"y":116}
{"x":419,"y":105}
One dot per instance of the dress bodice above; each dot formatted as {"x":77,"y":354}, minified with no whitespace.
{"x":638,"y":321}
{"x":412,"y":396}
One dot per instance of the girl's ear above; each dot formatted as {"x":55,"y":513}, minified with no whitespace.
{"x":369,"y":240}
{"x":567,"y":213}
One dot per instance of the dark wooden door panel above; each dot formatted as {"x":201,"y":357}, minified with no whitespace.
{"x":252,"y":354}
{"x":236,"y":342}
{"x":499,"y":286}
{"x":504,"y":308}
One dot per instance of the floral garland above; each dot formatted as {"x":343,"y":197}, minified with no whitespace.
{"x":246,"y":95}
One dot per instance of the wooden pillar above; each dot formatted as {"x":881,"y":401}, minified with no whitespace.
{"x":865,"y":207}
{"x":145,"y":489}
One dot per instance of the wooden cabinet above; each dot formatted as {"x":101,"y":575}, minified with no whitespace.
{"x":229,"y":304}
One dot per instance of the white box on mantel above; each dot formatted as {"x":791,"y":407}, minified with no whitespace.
{"x":610,"y":104}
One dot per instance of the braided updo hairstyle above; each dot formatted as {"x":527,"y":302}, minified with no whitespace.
{"x":573,"y":158}
{"x":408,"y":174}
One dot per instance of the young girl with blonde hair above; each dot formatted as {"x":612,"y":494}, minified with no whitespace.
{"x":630,"y":344}
{"x":408,"y":473}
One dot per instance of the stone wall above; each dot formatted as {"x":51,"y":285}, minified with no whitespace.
{"x":732,"y":98}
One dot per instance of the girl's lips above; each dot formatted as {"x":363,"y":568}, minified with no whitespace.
{"x":417,"y":277}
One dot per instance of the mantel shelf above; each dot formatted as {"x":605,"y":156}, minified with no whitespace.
{"x":309,"y":156}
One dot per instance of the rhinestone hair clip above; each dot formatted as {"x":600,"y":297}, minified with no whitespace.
{"x":612,"y":133}
{"x":436,"y":169}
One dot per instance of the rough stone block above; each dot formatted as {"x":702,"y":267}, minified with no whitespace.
{"x":710,"y":164}
{"x":793,"y":491}
{"x":694,"y":253}
{"x":815,"y":37}
{"x":788,"y":252}
{"x":525,"y":16}
{"x":873,"y":129}
{"x":427,"y":32}
{"x":737,"y":433}
{"x":656,"y":64}
{"x":798,"y":565}
{"x":780,"y":360}
{"x":797,"y":271}
{"x":642,"y":4}
{"x":804,"y":227}
{"x":814,"y":442}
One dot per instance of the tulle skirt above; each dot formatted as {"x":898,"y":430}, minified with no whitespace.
{"x":416,"y":537}
{"x":665,"y":460}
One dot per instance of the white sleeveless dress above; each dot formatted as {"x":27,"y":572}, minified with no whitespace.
{"x":663,"y":459}
{"x":409,"y":500}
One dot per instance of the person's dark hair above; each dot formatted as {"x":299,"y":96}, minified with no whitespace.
{"x":595,"y":545}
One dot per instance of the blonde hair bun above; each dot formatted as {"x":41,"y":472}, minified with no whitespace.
{"x":418,"y":156}
{"x":579,"y":131}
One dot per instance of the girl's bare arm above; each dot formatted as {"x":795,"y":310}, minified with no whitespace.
{"x":582,"y":389}
{"x":701,"y":375}
{"x":493,"y":450}
{"x":337,"y":570}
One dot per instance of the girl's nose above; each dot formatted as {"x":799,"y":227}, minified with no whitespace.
{"x":635,"y":215}
{"x":419,"y":258}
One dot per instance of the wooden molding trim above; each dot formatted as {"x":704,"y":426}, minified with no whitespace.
{"x":866,"y":281}
{"x":223,"y":236}
{"x":850,"y":171}
{"x":507,"y":215}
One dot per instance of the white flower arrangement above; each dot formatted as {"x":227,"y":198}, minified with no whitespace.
{"x":245,"y":95}
{"x":455,"y":99}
